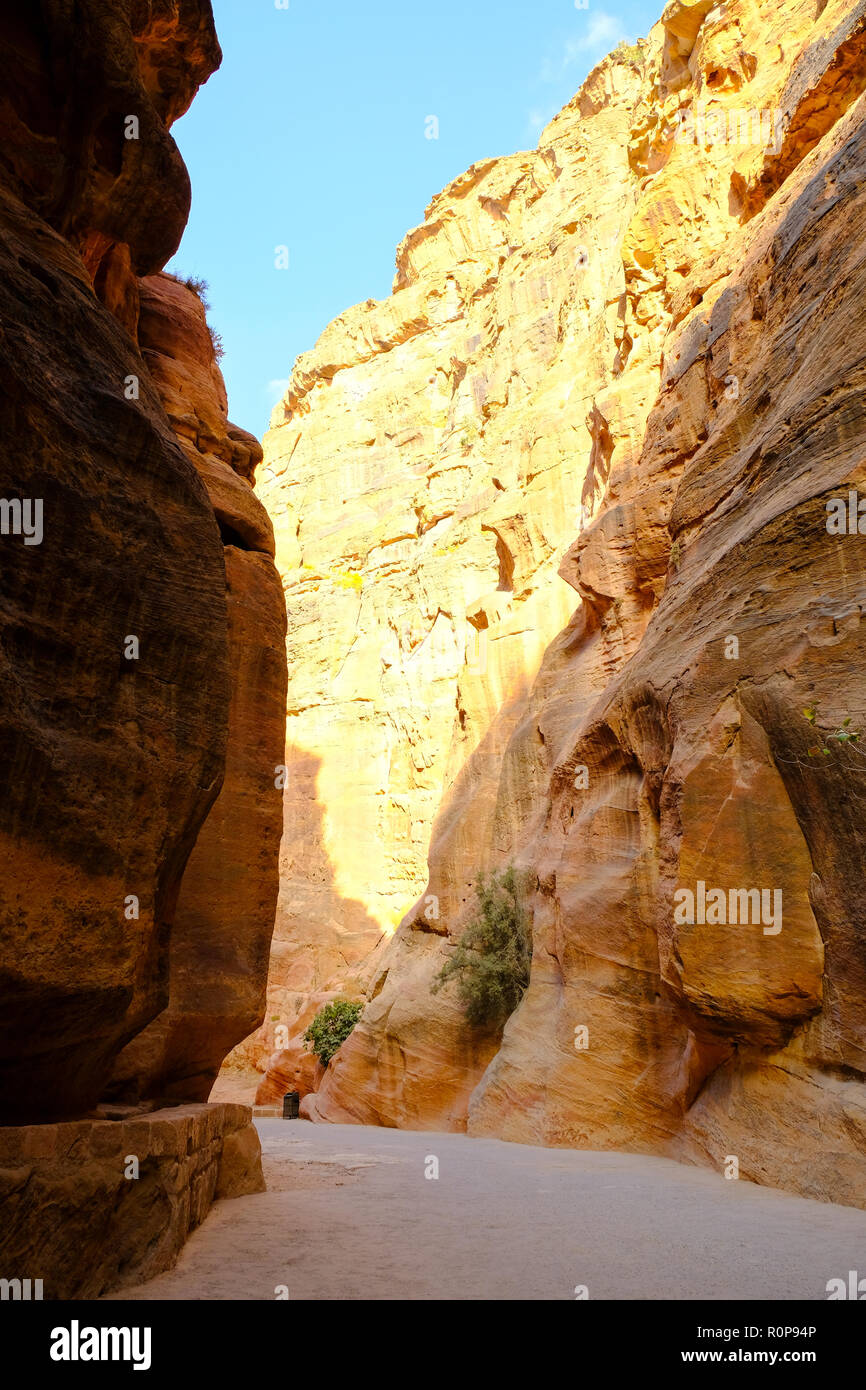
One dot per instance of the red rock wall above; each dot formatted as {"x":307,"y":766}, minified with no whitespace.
{"x":225,"y":915}
{"x":110,"y":766}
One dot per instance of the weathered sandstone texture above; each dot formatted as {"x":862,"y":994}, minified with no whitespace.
{"x":109,"y":765}
{"x":631,"y":360}
{"x":79,"y":1217}
{"x":225,"y":913}
{"x":74,"y":75}
{"x":321,"y":942}
{"x":142,"y":663}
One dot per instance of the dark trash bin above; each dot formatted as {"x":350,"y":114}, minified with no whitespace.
{"x":291,"y":1105}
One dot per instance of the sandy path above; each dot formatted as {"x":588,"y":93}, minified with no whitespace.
{"x":349,"y":1214}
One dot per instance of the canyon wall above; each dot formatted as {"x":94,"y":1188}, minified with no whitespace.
{"x":110,"y":764}
{"x":224,"y":919}
{"x":553,"y":526}
{"x":142,"y":656}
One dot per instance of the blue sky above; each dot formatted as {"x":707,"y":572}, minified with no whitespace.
{"x":312,"y":136}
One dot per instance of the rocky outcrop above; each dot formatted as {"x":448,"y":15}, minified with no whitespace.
{"x":91,"y":90}
{"x":630,"y":360}
{"x":142,"y":666}
{"x":320,"y":951}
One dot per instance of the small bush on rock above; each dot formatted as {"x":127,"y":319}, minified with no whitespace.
{"x":331,"y":1027}
{"x":199,"y":287}
{"x":493,"y":956}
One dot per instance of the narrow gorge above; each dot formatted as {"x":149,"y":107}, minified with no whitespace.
{"x":552,"y":561}
{"x":552,"y":523}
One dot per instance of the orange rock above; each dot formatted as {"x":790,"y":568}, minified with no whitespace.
{"x":225,"y":914}
{"x":110,"y":764}
{"x":292,"y":1069}
{"x":120,"y":620}
{"x":72,"y":1212}
{"x":644,"y":375}
{"x":119,"y":193}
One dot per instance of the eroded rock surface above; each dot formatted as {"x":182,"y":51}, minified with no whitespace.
{"x":222,"y":929}
{"x":110,"y":764}
{"x":142,"y":630}
{"x":630,"y":360}
{"x":142,"y":666}
{"x":78,"y":1220}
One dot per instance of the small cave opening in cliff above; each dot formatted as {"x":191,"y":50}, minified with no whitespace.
{"x":231,"y":536}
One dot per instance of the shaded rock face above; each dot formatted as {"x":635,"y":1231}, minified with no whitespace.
{"x":632,"y":361}
{"x":141,"y":650}
{"x":225,"y":914}
{"x":74,"y":1219}
{"x":75,"y":75}
{"x":109,"y":765}
{"x":321,"y":950}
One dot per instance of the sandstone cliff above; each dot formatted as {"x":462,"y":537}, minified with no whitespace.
{"x":221,"y":935}
{"x":142,"y":674}
{"x":552,"y":525}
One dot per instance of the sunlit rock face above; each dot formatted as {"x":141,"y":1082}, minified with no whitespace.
{"x":425,"y":475}
{"x":552,"y":522}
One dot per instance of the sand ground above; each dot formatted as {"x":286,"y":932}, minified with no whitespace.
{"x":349,"y":1214}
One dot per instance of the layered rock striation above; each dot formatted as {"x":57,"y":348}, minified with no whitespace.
{"x":142,"y":658}
{"x":221,"y":935}
{"x":554,"y":524}
{"x":111,"y":764}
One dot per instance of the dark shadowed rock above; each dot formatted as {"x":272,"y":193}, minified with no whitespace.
{"x":109,"y":765}
{"x":225,"y":916}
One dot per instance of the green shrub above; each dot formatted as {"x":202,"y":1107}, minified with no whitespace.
{"x":331,"y":1027}
{"x":492,"y":957}
{"x":844,"y":734}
